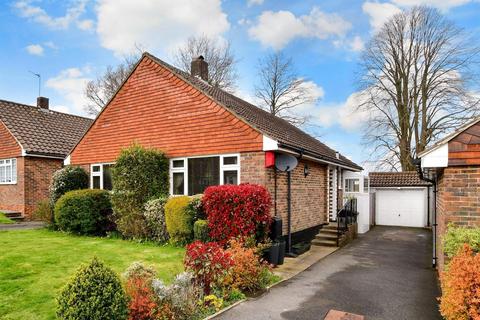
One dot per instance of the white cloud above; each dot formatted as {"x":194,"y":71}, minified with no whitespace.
{"x":39,"y":15}
{"x":357,"y":44}
{"x":277,"y":29}
{"x":70,"y":83}
{"x":442,"y":5}
{"x":254,"y":2}
{"x":157,"y":25}
{"x":35,"y":49}
{"x":379,"y":13}
{"x":85,"y":25}
{"x":50,"y":45}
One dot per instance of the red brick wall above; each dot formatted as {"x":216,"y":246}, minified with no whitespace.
{"x":9,"y":148}
{"x":12,"y":195}
{"x":38,"y":175}
{"x":309,"y":200}
{"x":157,"y":109}
{"x":457,"y":201}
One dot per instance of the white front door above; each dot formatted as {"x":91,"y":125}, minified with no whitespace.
{"x":401,"y":207}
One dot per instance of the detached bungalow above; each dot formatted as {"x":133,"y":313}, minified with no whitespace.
{"x":212,"y":137}
{"x":453,"y":165}
{"x":33,"y":143}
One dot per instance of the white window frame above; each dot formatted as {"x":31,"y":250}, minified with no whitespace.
{"x":13,"y":173}
{"x":99,"y":173}
{"x":184,"y":170}
{"x":352,"y":191}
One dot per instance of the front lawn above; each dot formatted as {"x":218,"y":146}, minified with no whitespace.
{"x":35,"y":264}
{"x":4,"y":219}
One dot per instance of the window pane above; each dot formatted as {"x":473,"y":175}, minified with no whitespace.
{"x":96,"y":168}
{"x":202,"y":173}
{"x":14,"y":170}
{"x":178,"y":163}
{"x":107,"y":177}
{"x":230,"y":177}
{"x":96,"y":182}
{"x":356,"y":185}
{"x":230,"y":160}
{"x":178,"y":183}
{"x":2,"y":174}
{"x":365,"y":184}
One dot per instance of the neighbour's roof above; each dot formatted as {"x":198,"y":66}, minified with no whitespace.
{"x":449,"y":137}
{"x":396,"y":179}
{"x":42,"y":132}
{"x":274,"y":127}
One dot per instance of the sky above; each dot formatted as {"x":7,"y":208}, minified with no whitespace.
{"x":72,"y":42}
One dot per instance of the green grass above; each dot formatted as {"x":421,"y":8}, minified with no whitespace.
{"x":36,"y":264}
{"x":4,"y":219}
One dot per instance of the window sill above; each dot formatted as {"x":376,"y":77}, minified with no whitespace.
{"x":7,"y":183}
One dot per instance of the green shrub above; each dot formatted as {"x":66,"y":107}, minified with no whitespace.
{"x":155,"y":219}
{"x":455,"y":237}
{"x":139,"y":175}
{"x":86,"y":211}
{"x":94,"y":293}
{"x":44,"y":212}
{"x":67,"y":179}
{"x":200,"y":230}
{"x":4,"y":219}
{"x":179,"y":221}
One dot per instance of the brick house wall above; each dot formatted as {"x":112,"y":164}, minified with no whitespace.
{"x":309,"y":200}
{"x":457,"y":201}
{"x":38,"y":174}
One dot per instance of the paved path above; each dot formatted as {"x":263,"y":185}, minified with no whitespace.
{"x":22,"y":225}
{"x":385,"y":274}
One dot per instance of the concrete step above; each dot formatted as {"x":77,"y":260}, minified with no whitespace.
{"x":324,"y":243}
{"x":13,"y":215}
{"x":326,"y":236}
{"x":329,"y":231}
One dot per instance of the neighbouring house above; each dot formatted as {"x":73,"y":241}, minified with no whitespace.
{"x":400,"y":199}
{"x":34,"y":141}
{"x":453,"y":165}
{"x":356,"y":184}
{"x":211,"y":138}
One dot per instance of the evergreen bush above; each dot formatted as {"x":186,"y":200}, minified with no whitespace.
{"x":67,"y":179}
{"x":179,"y":220}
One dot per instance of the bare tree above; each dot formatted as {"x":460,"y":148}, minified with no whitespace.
{"x":218,"y":54}
{"x":98,"y":92}
{"x":281,"y":90}
{"x":417,"y":83}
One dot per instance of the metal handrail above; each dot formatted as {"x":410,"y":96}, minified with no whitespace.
{"x":346,"y":216}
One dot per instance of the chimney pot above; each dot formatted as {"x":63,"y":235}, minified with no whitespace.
{"x":199,"y":68}
{"x":42,"y":103}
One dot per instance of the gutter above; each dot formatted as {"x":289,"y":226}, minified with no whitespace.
{"x":417,"y":162}
{"x":302,"y":154}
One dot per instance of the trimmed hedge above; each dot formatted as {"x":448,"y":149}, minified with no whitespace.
{"x":179,"y":220}
{"x":139,"y":175}
{"x":86,"y":211}
{"x":95,"y":292}
{"x":237,"y":211}
{"x":67,"y":179}
{"x":200,"y":230}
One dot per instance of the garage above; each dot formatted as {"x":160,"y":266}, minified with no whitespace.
{"x":401,"y":199}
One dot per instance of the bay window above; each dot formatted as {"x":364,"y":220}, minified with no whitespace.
{"x":189,"y":176}
{"x":101,"y":176}
{"x":8,"y":171}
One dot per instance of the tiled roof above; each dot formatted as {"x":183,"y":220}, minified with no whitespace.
{"x":268,"y":124}
{"x":41,"y":131}
{"x":396,"y":179}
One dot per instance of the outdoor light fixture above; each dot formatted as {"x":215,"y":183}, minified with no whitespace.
{"x":306,"y":171}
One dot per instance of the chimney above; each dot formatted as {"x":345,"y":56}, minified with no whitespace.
{"x":199,"y":68}
{"x":42,"y":103}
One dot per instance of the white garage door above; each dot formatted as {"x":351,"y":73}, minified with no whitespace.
{"x":401,"y":207}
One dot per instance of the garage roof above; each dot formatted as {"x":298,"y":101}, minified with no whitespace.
{"x":396,"y":179}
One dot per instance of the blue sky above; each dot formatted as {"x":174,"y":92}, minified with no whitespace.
{"x":71,"y":42}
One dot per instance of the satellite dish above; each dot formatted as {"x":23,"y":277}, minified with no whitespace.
{"x":285,"y":162}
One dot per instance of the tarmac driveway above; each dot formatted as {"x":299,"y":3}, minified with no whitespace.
{"x":385,"y":274}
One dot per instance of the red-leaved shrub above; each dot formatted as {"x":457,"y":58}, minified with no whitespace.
{"x":209,"y":263}
{"x":142,"y":305}
{"x":236,"y":211}
{"x":461,"y":286}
